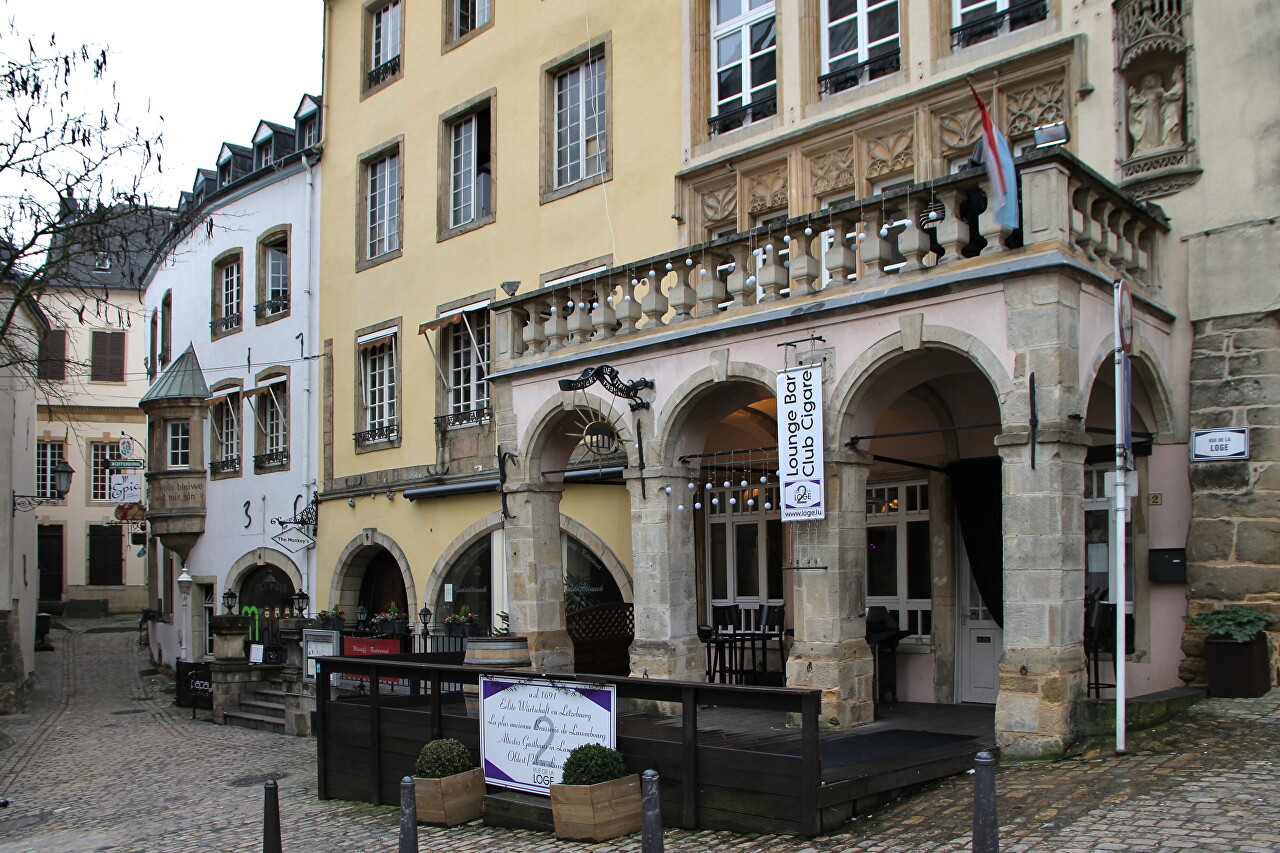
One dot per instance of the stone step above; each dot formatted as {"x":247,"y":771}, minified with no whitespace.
{"x":263,"y":707}
{"x":248,"y":720}
{"x":518,"y":810}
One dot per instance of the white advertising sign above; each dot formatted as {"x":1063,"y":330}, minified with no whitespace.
{"x":1220,"y":443}
{"x":126,"y":488}
{"x":530,"y":725}
{"x":800,"y":457}
{"x":293,"y":539}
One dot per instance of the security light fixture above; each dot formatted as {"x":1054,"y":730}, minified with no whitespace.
{"x":229,"y":600}
{"x":362,"y":613}
{"x":510,"y":287}
{"x":1049,"y":135}
{"x":300,"y":602}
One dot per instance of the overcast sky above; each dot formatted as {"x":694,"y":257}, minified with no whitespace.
{"x":211,"y":68}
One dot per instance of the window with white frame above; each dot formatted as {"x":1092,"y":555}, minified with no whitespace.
{"x":744,"y":542}
{"x":262,"y":154}
{"x":974,"y":21}
{"x":899,"y":570}
{"x":744,"y":72}
{"x":308,"y":131}
{"x":100,"y":481}
{"x":466,"y":16}
{"x":468,"y":347}
{"x":271,"y":409}
{"x":383,"y":204}
{"x":228,"y":278}
{"x":273,"y":286}
{"x":208,"y":611}
{"x":860,"y":42}
{"x":178,"y":434}
{"x":378,"y":390}
{"x":48,"y":455}
{"x":581,"y":147}
{"x":225,"y":421}
{"x":470,"y":168}
{"x":384,"y":45}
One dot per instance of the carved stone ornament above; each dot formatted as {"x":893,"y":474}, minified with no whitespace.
{"x":1035,"y":106}
{"x":1144,"y":26}
{"x":768,"y":190}
{"x":960,"y":130}
{"x":889,"y":154}
{"x":720,"y":203}
{"x":1155,"y":111}
{"x":833,"y":170}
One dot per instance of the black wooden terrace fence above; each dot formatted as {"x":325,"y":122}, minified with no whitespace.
{"x":742,"y":774}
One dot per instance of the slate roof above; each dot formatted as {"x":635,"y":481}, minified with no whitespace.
{"x":183,"y":380}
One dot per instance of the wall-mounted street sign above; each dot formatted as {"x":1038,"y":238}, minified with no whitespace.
{"x":117,"y":464}
{"x":294,"y":539}
{"x":1219,"y":444}
{"x":800,"y":456}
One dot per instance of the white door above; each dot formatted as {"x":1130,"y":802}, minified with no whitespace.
{"x":979,"y":646}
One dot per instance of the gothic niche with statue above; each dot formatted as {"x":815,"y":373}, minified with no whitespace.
{"x":1160,"y":156}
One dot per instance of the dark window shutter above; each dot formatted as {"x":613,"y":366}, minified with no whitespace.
{"x":53,"y":355}
{"x":106,"y":555}
{"x":108,"y":357}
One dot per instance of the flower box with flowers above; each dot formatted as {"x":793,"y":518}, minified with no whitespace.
{"x":390,"y":621}
{"x":332,"y":620}
{"x":464,"y":623}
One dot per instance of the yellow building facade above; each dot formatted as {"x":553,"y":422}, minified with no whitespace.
{"x":472,"y":144}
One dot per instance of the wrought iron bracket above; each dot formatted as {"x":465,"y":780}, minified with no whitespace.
{"x":504,"y":456}
{"x":608,"y":377}
{"x":26,"y":503}
{"x":306,"y":518}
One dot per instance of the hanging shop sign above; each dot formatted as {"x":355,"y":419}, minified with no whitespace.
{"x":294,"y":539}
{"x":1217,"y":444}
{"x":530,"y":725}
{"x":800,"y":464}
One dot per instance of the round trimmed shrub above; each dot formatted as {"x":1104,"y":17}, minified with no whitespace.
{"x":440,"y":758}
{"x":591,"y":764}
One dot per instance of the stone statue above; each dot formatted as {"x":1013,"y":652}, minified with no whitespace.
{"x":1155,"y":113}
{"x":1171,"y":110}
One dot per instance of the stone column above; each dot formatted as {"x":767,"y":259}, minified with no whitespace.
{"x":664,"y":573}
{"x":830,"y":557}
{"x":535,"y":576}
{"x":1042,"y":672}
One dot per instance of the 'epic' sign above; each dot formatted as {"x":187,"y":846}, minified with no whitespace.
{"x":800,"y":443}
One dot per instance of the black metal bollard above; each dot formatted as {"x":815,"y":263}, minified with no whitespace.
{"x":271,"y":817}
{"x":650,"y":814}
{"x":986,"y":825}
{"x":408,"y":817}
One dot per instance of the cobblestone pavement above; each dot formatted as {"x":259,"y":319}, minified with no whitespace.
{"x":102,"y":760}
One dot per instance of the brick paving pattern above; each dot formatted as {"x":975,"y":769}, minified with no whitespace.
{"x":102,"y":760}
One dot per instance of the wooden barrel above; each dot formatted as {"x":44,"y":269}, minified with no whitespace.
{"x":493,"y":653}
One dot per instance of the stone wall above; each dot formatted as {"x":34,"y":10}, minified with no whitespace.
{"x":1233,"y":546}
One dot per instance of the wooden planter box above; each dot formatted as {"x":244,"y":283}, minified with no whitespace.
{"x":596,"y":812}
{"x":1237,"y":670}
{"x":451,"y":800}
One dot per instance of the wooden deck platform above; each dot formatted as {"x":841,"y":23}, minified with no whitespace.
{"x":728,"y":760}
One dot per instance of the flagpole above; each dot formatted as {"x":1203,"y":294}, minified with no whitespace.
{"x":1121,"y":493}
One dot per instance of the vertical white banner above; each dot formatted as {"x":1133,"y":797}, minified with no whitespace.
{"x":800,"y":443}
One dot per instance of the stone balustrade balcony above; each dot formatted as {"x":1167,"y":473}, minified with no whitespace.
{"x":891,"y":247}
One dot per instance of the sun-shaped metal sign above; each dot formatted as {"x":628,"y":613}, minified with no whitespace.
{"x":597,"y":435}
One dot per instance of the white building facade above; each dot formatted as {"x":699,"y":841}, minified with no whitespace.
{"x":231,"y":474}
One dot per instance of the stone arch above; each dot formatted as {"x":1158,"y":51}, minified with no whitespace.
{"x":1146,"y":366}
{"x":686,"y":399}
{"x":354,"y":559}
{"x":263,"y":557}
{"x":864,"y":373}
{"x":540,"y":433}
{"x":494,"y":521}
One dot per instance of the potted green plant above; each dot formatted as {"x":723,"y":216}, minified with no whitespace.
{"x":462,"y":623}
{"x":333,"y":619}
{"x":596,"y":799}
{"x":448,"y":787}
{"x":1235,"y":650}
{"x":391,"y":620}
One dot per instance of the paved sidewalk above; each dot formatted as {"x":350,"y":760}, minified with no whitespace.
{"x":101,"y":760}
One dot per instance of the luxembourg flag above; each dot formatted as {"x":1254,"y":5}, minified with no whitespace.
{"x":999,"y":162}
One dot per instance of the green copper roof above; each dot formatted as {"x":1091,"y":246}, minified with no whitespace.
{"x":183,"y":380}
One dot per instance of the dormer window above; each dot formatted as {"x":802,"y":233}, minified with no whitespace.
{"x":262,"y":154}
{"x":102,"y":263}
{"x":224,"y":173}
{"x":307,"y":131}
